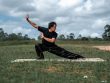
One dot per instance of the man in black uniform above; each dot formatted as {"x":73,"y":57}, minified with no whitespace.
{"x":48,"y":42}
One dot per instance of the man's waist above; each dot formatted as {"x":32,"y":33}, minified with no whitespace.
{"x":48,"y":43}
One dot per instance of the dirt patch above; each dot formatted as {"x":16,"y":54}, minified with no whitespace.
{"x":52,"y":69}
{"x":105,"y":48}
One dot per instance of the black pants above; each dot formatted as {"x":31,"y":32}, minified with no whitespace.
{"x":40,"y":48}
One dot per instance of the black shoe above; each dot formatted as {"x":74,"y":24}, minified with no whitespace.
{"x":40,"y":56}
{"x":79,"y":56}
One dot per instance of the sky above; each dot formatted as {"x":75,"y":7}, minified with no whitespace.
{"x":85,"y":17}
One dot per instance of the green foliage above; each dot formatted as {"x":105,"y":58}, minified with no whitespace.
{"x":4,"y":36}
{"x":61,"y":37}
{"x":79,"y":37}
{"x":72,"y":36}
{"x":106,"y":34}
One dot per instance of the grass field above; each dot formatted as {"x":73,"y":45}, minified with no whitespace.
{"x":53,"y":72}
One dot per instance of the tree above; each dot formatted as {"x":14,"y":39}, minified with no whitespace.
{"x":84,"y":38}
{"x":106,"y":34}
{"x":68,"y":37}
{"x":19,"y":36}
{"x":61,"y":37}
{"x":6,"y":36}
{"x":26,"y":37}
{"x":72,"y":36}
{"x":79,"y":37}
{"x":12,"y":36}
{"x":2,"y":34}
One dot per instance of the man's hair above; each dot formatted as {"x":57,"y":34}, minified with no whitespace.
{"x":51,"y":24}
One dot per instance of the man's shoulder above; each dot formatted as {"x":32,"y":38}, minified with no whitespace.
{"x":55,"y":33}
{"x":42,"y":29}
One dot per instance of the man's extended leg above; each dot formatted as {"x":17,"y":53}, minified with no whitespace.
{"x":64,"y":53}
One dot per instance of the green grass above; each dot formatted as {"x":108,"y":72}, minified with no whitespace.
{"x":52,"y":72}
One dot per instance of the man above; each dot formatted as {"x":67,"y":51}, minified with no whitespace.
{"x":49,"y":36}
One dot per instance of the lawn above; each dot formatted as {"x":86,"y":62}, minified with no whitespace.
{"x":53,"y":72}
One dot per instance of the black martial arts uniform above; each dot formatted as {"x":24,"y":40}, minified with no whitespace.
{"x":52,"y":47}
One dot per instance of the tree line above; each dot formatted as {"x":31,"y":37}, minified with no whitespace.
{"x":71,"y":36}
{"x":5,"y":36}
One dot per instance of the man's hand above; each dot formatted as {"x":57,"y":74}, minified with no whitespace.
{"x":42,"y":35}
{"x":47,"y":39}
{"x":32,"y":23}
{"x":27,"y":17}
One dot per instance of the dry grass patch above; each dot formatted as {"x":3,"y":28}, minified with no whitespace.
{"x":104,"y":48}
{"x":52,"y":69}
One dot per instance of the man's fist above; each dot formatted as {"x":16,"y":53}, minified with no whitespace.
{"x":42,"y":35}
{"x":27,"y":17}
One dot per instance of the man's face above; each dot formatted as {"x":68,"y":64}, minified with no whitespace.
{"x":53,"y":29}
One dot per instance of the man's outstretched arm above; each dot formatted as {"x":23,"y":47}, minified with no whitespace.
{"x":30,"y":22}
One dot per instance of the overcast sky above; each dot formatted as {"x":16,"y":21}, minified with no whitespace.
{"x":85,"y":17}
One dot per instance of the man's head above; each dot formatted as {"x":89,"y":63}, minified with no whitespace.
{"x":52,"y":26}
